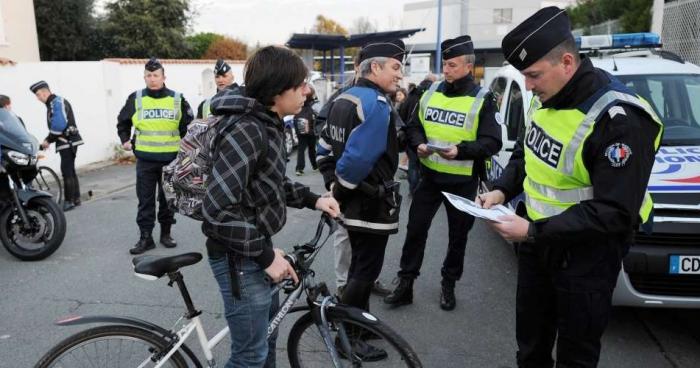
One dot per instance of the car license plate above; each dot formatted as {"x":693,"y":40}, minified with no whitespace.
{"x":684,"y":265}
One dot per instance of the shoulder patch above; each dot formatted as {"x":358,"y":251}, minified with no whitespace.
{"x":618,"y":154}
{"x":616,"y":110}
{"x":381,"y":98}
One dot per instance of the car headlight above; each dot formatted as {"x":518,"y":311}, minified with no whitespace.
{"x":18,"y":158}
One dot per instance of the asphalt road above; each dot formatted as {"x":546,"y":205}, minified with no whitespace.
{"x":91,"y":274}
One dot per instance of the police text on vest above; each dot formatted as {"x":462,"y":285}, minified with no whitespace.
{"x":545,"y":147}
{"x":447,"y":117}
{"x":160,"y":114}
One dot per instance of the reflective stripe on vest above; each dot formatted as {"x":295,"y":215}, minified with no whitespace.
{"x":566,"y":182}
{"x":206,"y":108}
{"x":446,"y":127}
{"x":156,"y":122}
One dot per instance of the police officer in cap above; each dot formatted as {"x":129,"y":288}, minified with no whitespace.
{"x":223,"y":77}
{"x":159,"y":117}
{"x":584,"y":165}
{"x":63,"y":131}
{"x":358,"y":157}
{"x":453,"y":130}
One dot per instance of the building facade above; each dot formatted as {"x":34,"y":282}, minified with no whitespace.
{"x":18,"y":37}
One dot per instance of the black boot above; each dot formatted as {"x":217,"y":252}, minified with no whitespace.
{"x":357,"y":294}
{"x":447,"y":296}
{"x":145,"y":243}
{"x":402,"y":295}
{"x":76,"y":192}
{"x":68,"y":194}
{"x":165,"y":239}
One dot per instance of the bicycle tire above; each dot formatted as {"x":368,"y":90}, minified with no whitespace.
{"x":48,"y":181}
{"x":403,"y":355}
{"x":65,"y":354}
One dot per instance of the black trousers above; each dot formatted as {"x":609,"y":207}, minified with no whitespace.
{"x":365,"y":266}
{"x":426,"y":201}
{"x":564,"y":294}
{"x":71,"y":186}
{"x":148,"y":181}
{"x":306,"y":141}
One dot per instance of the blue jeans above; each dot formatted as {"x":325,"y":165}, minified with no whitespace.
{"x":248,"y":316}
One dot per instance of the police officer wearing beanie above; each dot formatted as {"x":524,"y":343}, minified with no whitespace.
{"x":458,"y":116}
{"x":224,"y":78}
{"x":159,"y":117}
{"x":64,"y":133}
{"x":584,"y":166}
{"x":358,"y":157}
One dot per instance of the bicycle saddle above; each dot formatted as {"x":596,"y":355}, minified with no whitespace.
{"x":158,"y":266}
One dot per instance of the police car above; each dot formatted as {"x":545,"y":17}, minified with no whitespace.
{"x":662,"y":269}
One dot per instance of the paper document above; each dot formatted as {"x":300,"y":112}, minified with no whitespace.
{"x":437,"y":148}
{"x":468,"y":206}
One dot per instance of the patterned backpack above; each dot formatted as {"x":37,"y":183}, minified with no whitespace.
{"x":185,"y":178}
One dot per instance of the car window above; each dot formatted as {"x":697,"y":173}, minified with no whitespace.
{"x":498,"y":88}
{"x":514,"y":115}
{"x":676,"y":100}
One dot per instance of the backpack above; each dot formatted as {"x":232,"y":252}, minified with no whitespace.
{"x":185,"y":178}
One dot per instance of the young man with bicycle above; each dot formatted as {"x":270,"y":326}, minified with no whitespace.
{"x":246,"y":198}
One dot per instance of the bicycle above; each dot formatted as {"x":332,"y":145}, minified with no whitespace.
{"x":339,"y":328}
{"x":47,"y":180}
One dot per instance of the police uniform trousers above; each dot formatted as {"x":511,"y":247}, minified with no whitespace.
{"x":71,"y":186}
{"x":564,"y":292}
{"x":148,"y":180}
{"x":365,"y":266}
{"x":426,"y":201}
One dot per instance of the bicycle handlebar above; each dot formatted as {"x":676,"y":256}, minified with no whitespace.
{"x":302,"y":250}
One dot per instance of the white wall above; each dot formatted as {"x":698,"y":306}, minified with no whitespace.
{"x":18,"y":37}
{"x":97,"y":91}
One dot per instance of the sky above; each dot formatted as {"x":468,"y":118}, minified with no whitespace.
{"x":274,"y":21}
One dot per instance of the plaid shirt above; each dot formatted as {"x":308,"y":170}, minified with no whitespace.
{"x":247,"y":194}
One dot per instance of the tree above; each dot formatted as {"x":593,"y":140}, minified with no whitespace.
{"x":200,"y":43}
{"x":635,"y":15}
{"x":144,"y":28}
{"x":227,"y":48}
{"x":363,"y":25}
{"x":64,"y":28}
{"x":325,"y":25}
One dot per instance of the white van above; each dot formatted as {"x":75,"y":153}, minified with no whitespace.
{"x":662,"y":269}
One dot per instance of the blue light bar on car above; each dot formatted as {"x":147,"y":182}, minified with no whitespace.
{"x":619,"y":41}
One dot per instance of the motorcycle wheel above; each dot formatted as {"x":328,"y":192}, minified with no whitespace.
{"x":48,"y":228}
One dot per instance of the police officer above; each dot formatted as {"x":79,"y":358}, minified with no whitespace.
{"x":224,"y":78}
{"x":457,"y":116}
{"x":64,"y":132}
{"x":159,"y":117}
{"x":358,"y":157}
{"x":584,"y":165}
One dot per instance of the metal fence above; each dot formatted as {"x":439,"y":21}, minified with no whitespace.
{"x":681,"y":29}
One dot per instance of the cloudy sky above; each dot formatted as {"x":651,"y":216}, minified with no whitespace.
{"x":273,"y":21}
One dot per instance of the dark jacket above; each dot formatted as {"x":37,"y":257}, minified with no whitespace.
{"x":124,"y":122}
{"x":304,"y":117}
{"x":234,"y":87}
{"x":488,"y":135}
{"x":411,"y":102}
{"x":612,"y":214}
{"x":61,"y":123}
{"x":248,"y":190}
{"x":358,"y":157}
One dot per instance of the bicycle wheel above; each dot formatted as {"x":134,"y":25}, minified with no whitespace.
{"x":306,"y":349}
{"x":110,"y":346}
{"x":48,"y":181}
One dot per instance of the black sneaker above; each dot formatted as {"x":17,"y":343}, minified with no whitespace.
{"x":67,"y":206}
{"x":300,"y":172}
{"x":448,"y":301}
{"x":379,"y":289}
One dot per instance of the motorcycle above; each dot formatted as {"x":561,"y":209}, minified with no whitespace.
{"x":32,"y":226}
